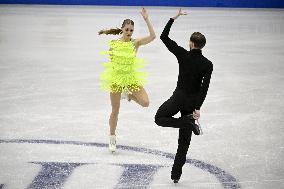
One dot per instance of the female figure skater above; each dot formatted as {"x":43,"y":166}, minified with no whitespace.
{"x":122,"y":75}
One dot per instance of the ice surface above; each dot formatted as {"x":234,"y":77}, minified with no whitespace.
{"x":50,"y":98}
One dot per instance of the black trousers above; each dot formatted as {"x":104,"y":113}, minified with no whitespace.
{"x":183,"y":103}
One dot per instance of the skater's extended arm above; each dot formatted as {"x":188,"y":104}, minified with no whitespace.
{"x":152,"y":35}
{"x":204,"y":87}
{"x":171,"y":44}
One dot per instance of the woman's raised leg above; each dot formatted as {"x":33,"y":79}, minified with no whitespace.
{"x":140,"y":97}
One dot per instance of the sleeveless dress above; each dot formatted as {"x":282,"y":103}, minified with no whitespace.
{"x":122,"y":72}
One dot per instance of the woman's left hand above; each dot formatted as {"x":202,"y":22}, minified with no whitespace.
{"x":144,"y":13}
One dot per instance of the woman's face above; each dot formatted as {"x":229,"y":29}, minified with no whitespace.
{"x":127,"y":31}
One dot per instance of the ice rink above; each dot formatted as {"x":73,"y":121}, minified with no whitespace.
{"x":54,"y":116}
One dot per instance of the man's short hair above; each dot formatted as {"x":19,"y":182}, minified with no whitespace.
{"x":198,"y":39}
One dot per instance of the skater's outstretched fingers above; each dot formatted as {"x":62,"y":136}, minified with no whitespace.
{"x":180,"y":12}
{"x":144,"y":13}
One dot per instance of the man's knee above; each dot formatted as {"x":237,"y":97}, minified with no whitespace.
{"x":157,"y":119}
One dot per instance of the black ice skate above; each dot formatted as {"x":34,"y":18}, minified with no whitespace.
{"x":190,"y":121}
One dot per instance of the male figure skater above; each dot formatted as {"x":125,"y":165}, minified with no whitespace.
{"x":192,"y":85}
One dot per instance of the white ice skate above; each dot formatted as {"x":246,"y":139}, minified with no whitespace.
{"x":124,"y":95}
{"x":112,"y":143}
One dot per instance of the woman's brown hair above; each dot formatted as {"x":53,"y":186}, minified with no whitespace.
{"x":116,"y":31}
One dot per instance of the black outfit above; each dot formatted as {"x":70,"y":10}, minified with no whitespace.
{"x":192,"y":85}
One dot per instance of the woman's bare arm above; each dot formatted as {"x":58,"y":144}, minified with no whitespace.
{"x":151,"y":36}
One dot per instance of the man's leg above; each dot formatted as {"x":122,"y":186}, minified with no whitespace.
{"x":183,"y":144}
{"x":180,"y":158}
{"x":164,"y":116}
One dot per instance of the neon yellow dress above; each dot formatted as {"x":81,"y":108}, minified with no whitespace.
{"x":122,"y":73}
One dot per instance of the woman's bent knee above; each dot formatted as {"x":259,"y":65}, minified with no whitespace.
{"x":145,"y":103}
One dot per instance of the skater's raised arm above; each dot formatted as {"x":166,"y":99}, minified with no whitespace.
{"x":152,"y":35}
{"x":171,"y":44}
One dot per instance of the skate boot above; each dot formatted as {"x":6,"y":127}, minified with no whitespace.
{"x":112,"y":143}
{"x":124,"y":95}
{"x":190,"y":121}
{"x":175,"y":181}
{"x":175,"y":174}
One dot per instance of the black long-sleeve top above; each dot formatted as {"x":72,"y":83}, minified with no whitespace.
{"x":194,"y":69}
